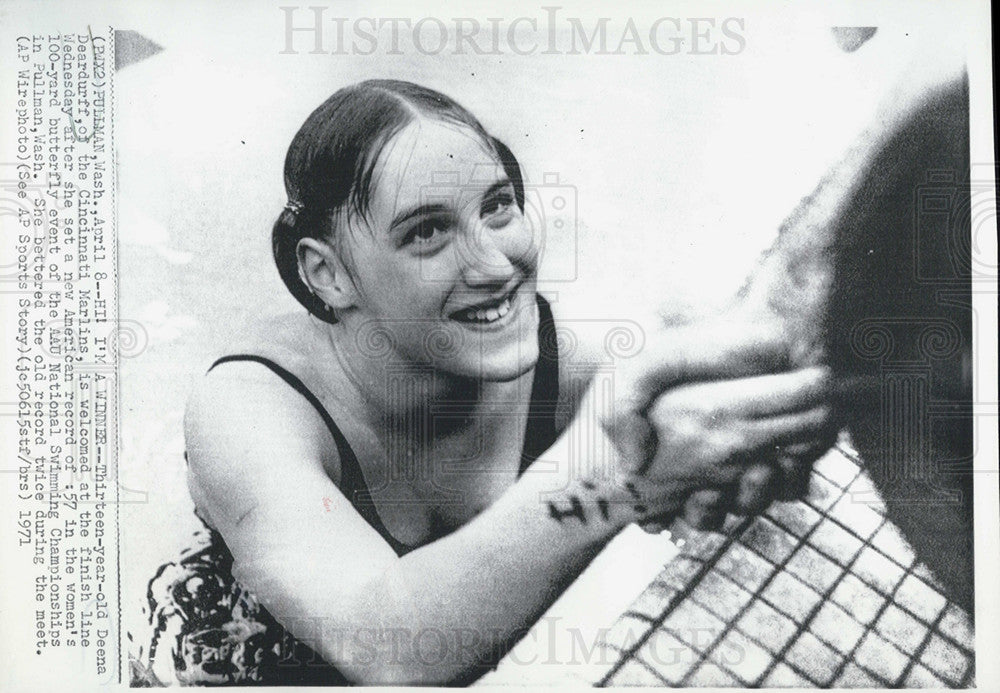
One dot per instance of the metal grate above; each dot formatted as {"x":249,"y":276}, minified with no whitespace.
{"x":824,"y":592}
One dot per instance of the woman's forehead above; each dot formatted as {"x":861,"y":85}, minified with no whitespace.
{"x":431,"y":158}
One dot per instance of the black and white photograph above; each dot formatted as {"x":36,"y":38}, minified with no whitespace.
{"x":461,"y":344}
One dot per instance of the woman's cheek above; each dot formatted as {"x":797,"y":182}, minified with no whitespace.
{"x":427,"y":276}
{"x":524,"y":245}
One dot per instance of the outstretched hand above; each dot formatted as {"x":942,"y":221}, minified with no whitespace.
{"x":713,"y":421}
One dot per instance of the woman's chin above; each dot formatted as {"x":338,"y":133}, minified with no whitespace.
{"x":502,"y":351}
{"x":508,"y":370}
{"x":494,"y":365}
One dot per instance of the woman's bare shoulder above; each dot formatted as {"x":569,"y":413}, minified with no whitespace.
{"x":280,"y":338}
{"x":259,"y":401}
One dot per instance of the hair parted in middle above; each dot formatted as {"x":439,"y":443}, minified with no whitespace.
{"x":332,"y":159}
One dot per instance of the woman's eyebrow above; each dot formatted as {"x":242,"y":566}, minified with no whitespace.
{"x":419,"y":211}
{"x":497,"y":186}
{"x":439,"y":207}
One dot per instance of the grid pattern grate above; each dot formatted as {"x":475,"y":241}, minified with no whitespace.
{"x":820,"y":592}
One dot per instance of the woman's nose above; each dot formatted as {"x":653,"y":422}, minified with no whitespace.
{"x":484,"y":259}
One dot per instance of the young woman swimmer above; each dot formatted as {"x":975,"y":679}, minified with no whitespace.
{"x":393,"y":481}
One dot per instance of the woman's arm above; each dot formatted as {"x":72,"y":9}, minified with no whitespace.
{"x":441,"y":612}
{"x":697,"y":346}
{"x":328,"y":577}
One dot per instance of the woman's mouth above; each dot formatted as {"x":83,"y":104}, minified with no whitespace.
{"x":487,"y":313}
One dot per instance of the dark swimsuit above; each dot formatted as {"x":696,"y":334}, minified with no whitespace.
{"x":224,"y":636}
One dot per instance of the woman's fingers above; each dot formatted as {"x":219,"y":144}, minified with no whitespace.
{"x":795,"y":477}
{"x":762,"y":396}
{"x":757,"y":488}
{"x":795,"y":463}
{"x":657,"y":524}
{"x":789,"y":429}
{"x":706,"y":509}
{"x":698,"y":435}
{"x":683,"y":358}
{"x":634,"y":438}
{"x":706,"y":352}
{"x":783,"y":393}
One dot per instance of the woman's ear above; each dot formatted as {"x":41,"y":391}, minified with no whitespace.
{"x":324,"y":274}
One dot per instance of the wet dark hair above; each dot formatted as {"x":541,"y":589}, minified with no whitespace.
{"x":331,"y":160}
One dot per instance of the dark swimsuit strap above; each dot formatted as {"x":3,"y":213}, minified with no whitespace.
{"x":352,"y":482}
{"x":539,"y":434}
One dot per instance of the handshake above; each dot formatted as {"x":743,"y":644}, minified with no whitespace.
{"x":727,"y":414}
{"x":716,"y":419}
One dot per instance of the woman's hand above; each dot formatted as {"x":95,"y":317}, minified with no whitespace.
{"x":732,"y":444}
{"x":781,"y":474}
{"x":709,"y":433}
{"x":696,"y":437}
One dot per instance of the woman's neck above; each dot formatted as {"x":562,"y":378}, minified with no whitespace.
{"x":413,"y":413}
{"x":404,"y":395}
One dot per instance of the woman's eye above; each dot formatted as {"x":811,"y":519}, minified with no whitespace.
{"x":426,"y":232}
{"x":497,"y":204}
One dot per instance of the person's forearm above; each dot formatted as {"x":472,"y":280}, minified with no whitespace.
{"x":449,"y":607}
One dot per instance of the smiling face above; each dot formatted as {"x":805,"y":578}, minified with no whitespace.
{"x":444,"y":264}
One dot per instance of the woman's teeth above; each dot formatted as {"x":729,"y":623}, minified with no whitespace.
{"x":489,"y":314}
